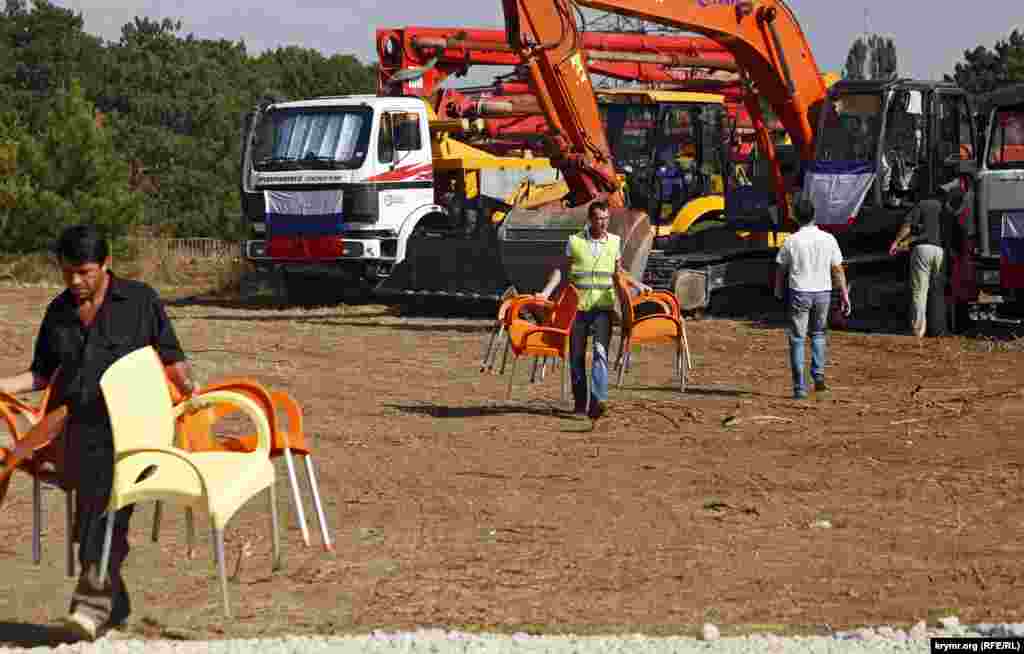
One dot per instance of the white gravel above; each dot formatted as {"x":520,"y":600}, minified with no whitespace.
{"x":438,"y":641}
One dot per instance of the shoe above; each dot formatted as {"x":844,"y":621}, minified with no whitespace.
{"x":82,"y":626}
{"x":598,"y":409}
{"x":820,"y":386}
{"x":799,"y":395}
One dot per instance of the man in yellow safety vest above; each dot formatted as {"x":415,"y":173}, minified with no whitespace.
{"x":592,"y":257}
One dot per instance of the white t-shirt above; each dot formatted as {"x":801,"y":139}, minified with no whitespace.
{"x":809,"y":256}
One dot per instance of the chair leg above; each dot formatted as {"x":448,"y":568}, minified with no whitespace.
{"x":275,"y":535}
{"x":682,"y":368}
{"x":190,"y":533}
{"x":511,"y":376}
{"x":300,"y":511}
{"x":686,"y":345}
{"x":534,"y":369}
{"x":158,"y":514}
{"x":504,"y":355}
{"x":624,"y":356}
{"x":486,"y":359}
{"x":565,"y":379}
{"x":69,"y":525}
{"x":108,"y":538}
{"x":218,"y":552}
{"x":37,"y":520}
{"x":314,"y":489}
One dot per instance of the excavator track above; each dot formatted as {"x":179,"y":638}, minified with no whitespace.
{"x":519,"y":253}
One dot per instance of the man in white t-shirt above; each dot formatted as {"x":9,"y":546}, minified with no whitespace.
{"x":809,"y":262}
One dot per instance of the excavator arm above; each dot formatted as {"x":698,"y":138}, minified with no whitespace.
{"x":763,"y":37}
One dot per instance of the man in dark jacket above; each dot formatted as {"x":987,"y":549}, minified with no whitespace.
{"x":98,"y":319}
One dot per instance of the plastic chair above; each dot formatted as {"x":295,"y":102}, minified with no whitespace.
{"x":549,"y":340}
{"x":148,"y":467}
{"x":45,"y":467}
{"x":195,"y":432}
{"x":666,"y":325}
{"x":511,"y":309}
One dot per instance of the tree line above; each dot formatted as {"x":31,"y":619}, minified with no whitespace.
{"x":144,"y":132}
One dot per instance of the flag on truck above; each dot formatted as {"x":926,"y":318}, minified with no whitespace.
{"x":304,"y":224}
{"x":1011,"y":250}
{"x":837,"y":190}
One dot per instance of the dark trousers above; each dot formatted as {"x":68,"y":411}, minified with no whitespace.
{"x":598,"y":325}
{"x":109,"y":602}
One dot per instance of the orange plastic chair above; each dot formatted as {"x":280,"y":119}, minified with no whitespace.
{"x":511,"y":308}
{"x":548,"y":340}
{"x":45,"y":467}
{"x":665,"y":325}
{"x":196,"y":436}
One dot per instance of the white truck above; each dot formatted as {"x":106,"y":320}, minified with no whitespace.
{"x":999,"y":198}
{"x":375,"y":188}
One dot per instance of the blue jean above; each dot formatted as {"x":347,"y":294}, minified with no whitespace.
{"x":598,"y":325}
{"x":808,"y":311}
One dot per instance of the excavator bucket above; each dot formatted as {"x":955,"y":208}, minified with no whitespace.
{"x":518,"y":252}
{"x":449,"y":265}
{"x":533,"y":241}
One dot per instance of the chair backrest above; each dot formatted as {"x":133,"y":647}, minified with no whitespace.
{"x":625,"y":300}
{"x":566,"y":307}
{"x":135,"y":391}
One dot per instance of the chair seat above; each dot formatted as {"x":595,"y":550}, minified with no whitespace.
{"x":182,"y":478}
{"x":655,"y":329}
{"x":296,"y":443}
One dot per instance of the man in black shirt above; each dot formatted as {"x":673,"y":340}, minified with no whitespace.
{"x":98,"y":319}
{"x":927,"y":265}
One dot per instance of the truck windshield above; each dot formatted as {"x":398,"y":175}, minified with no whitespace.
{"x":849,"y":127}
{"x":317,"y":137}
{"x":1006,"y":147}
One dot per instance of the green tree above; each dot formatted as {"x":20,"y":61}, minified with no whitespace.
{"x":984,"y":70}
{"x":871,"y":58}
{"x":68,"y":174}
{"x":856,"y":60}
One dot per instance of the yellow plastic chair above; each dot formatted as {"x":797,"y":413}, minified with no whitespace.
{"x":147,"y":466}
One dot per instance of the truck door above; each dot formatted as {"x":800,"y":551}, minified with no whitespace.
{"x":405,"y":169}
{"x":1001,"y":191}
{"x":954,"y":137}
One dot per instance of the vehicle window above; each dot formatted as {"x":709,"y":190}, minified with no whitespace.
{"x":296,"y":138}
{"x":385,"y":140}
{"x":849,"y":127}
{"x":407,"y":130}
{"x":1006,"y":148}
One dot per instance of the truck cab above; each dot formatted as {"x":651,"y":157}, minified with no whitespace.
{"x":882,"y":146}
{"x":330,"y":184}
{"x":999,"y":195}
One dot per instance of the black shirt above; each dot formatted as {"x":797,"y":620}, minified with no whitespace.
{"x":925,"y":222}
{"x":131,"y":317}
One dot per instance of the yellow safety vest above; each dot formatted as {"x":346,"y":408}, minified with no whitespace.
{"x":592,"y":275}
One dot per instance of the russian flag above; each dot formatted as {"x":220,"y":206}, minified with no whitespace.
{"x":304,"y":224}
{"x":1011,"y":250}
{"x":837,"y":190}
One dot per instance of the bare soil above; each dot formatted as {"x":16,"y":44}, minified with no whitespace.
{"x":895,"y":498}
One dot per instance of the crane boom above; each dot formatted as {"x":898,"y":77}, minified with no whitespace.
{"x":763,"y":37}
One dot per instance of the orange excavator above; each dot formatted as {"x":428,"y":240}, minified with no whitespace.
{"x":763,"y":37}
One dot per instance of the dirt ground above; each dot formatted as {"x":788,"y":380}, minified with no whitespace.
{"x":894,"y":499}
